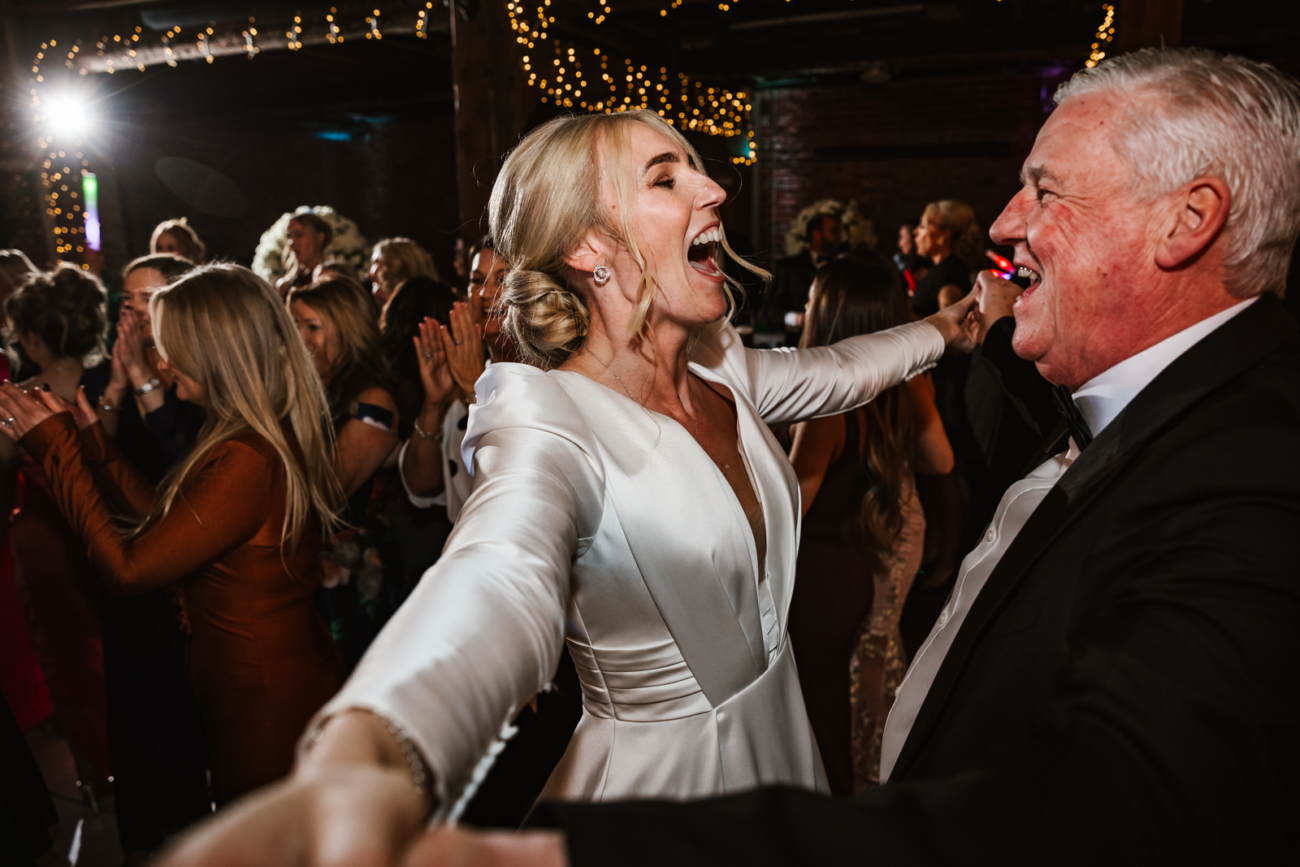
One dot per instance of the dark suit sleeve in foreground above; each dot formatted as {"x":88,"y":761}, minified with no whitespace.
{"x":1168,"y":734}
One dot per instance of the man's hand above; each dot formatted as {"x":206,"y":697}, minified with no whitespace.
{"x":997,"y":301}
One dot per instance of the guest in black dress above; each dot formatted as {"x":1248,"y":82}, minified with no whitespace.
{"x":949,"y":236}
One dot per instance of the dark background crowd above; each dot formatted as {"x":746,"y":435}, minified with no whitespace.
{"x":350,"y":179}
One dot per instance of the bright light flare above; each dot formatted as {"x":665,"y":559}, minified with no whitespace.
{"x":67,"y":116}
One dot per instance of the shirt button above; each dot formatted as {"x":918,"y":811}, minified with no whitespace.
{"x":943,"y":618}
{"x":990,"y":535}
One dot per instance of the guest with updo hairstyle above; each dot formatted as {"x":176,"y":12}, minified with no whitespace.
{"x":56,"y":327}
{"x":628,"y":497}
{"x":236,"y":525}
{"x":396,"y":260}
{"x":179,"y":239}
{"x":948,"y":236}
{"x":863,"y":530}
{"x":307,"y":239}
{"x":363,"y":579}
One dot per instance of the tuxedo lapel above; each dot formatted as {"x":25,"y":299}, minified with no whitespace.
{"x":1223,"y":355}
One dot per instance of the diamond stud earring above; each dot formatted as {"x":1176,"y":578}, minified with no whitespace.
{"x":601,"y":273}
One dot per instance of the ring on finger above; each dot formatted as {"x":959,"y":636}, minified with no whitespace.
{"x":8,"y":422}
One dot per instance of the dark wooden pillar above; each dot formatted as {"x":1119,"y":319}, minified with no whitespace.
{"x":1148,"y":24}
{"x":493,"y":102}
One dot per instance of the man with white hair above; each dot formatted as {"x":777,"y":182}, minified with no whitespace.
{"x":1115,"y":678}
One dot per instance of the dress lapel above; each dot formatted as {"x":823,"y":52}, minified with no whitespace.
{"x":1224,"y":354}
{"x":687,"y":535}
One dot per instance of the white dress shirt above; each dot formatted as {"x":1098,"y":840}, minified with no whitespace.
{"x":1100,"y":399}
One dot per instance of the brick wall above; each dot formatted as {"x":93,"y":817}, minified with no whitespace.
{"x":895,"y":147}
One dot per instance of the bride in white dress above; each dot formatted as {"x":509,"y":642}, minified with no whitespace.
{"x":628,"y":498}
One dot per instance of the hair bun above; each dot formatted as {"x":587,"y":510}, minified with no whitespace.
{"x":547,"y":319}
{"x":64,"y":308}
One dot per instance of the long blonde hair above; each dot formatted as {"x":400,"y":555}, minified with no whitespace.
{"x":224,"y":327}
{"x":546,"y":200}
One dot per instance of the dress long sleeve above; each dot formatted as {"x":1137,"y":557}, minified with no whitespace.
{"x":792,"y":384}
{"x":209,"y":517}
{"x":483,"y":630}
{"x":127,"y":491}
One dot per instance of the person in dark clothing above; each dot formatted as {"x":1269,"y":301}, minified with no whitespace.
{"x":948,"y":236}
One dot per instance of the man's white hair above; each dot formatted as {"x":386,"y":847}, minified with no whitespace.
{"x":1192,"y":112}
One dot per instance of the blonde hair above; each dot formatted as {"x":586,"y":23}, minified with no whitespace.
{"x":957,"y":217}
{"x":186,"y":238}
{"x":224,"y":327}
{"x":546,"y":200}
{"x":404,"y":259}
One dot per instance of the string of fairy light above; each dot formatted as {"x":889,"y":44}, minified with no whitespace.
{"x":1105,"y":33}
{"x":567,"y":76}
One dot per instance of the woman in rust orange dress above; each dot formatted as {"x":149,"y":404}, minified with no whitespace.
{"x":237,"y":524}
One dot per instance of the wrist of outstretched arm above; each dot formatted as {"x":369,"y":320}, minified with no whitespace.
{"x":363,"y":737}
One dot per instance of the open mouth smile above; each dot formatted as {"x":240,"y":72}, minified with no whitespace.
{"x":702,"y":255}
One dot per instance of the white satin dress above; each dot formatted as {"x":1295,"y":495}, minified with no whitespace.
{"x":595,"y":520}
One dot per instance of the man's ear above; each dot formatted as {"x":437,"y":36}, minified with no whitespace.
{"x":592,"y":250}
{"x":1201,"y":210}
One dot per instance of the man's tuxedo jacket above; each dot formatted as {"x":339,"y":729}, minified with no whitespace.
{"x":1126,"y":688}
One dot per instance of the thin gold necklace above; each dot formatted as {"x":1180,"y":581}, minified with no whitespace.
{"x":611,"y":372}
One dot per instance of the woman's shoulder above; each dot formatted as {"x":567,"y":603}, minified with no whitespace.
{"x":510,"y":394}
{"x":514,"y":396}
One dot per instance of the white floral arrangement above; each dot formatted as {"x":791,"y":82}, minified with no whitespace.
{"x":348,"y":245}
{"x":858,"y":231}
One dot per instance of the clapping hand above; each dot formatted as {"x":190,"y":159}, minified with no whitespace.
{"x":130,"y":344}
{"x":20,"y":410}
{"x":463,"y":343}
{"x":435,"y":374}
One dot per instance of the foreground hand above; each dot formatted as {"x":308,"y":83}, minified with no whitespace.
{"x":997,"y":301}
{"x":452,"y":847}
{"x":958,"y":323}
{"x":21,"y":411}
{"x":342,"y":815}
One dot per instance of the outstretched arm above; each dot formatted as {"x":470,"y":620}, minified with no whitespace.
{"x":795,"y":384}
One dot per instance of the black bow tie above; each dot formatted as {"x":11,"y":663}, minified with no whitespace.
{"x":1073,"y":417}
